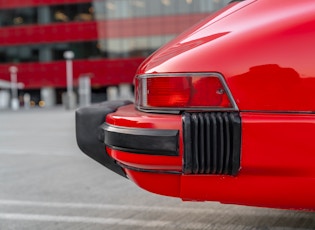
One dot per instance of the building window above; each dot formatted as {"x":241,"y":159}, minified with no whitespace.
{"x":49,"y":52}
{"x":73,"y":12}
{"x":16,"y":17}
{"x":46,"y":14}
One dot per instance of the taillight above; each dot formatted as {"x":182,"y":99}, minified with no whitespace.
{"x":193,"y":91}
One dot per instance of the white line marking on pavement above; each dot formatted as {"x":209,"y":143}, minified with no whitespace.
{"x":56,"y":152}
{"x":105,"y":206}
{"x":82,"y":219}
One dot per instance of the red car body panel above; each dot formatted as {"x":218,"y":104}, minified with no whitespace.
{"x":265,"y":52}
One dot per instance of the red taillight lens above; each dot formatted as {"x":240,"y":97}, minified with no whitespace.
{"x":183,"y":92}
{"x":167,"y":92}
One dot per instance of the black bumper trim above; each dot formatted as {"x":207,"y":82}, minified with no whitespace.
{"x":88,"y":121}
{"x":162,"y":142}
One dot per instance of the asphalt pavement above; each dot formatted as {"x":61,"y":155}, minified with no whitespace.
{"x":46,"y":182}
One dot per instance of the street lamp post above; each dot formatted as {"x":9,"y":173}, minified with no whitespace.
{"x":69,"y":55}
{"x":14,"y":88}
{"x":70,"y":97}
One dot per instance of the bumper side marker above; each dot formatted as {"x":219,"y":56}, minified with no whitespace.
{"x":162,"y":142}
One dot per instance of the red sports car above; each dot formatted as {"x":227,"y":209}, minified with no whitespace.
{"x":225,"y":112}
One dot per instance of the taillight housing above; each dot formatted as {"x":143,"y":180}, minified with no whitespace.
{"x":183,"y":91}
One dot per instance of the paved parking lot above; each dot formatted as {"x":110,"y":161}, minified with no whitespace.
{"x":47,"y":183}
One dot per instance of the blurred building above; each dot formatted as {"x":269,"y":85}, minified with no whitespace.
{"x":109,"y":38}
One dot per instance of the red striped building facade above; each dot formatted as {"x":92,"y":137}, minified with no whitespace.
{"x":109,"y":38}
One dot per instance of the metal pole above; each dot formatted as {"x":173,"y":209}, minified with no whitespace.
{"x":70,"y":98}
{"x":69,"y":55}
{"x":69,"y":75}
{"x":14,"y":87}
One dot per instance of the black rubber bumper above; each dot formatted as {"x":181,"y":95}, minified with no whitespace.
{"x":90,"y":135}
{"x":158,"y":142}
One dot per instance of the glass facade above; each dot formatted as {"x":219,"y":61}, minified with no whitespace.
{"x":114,"y":9}
{"x":105,"y":9}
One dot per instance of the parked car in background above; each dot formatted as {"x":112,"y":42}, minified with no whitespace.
{"x":225,"y":112}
